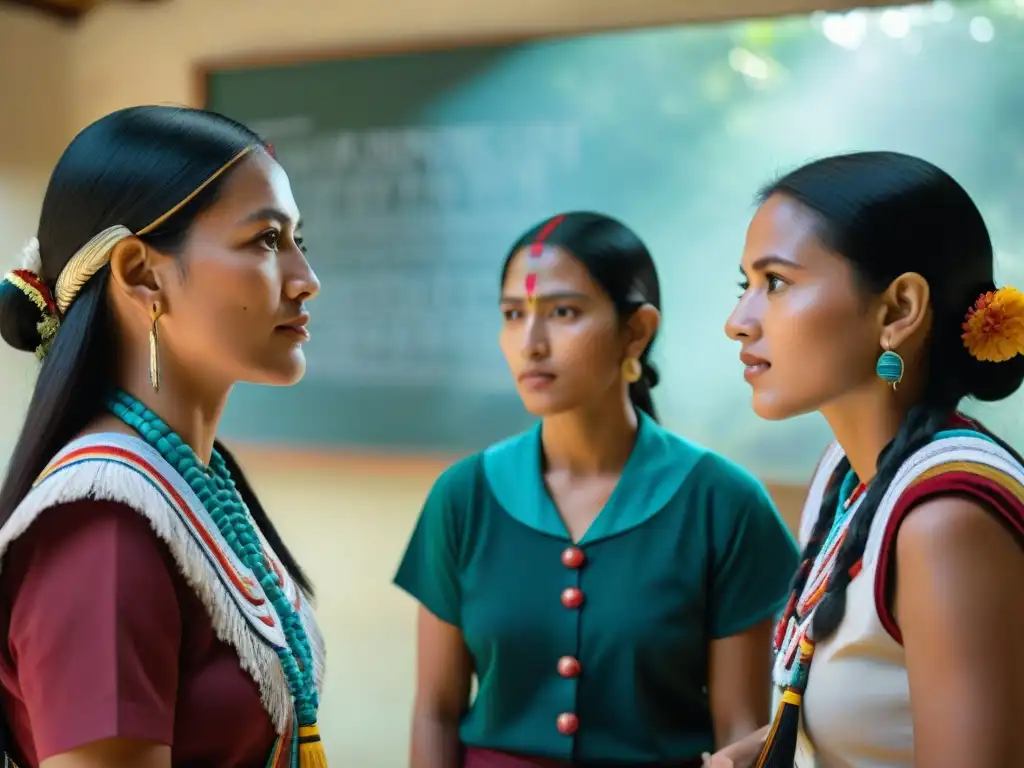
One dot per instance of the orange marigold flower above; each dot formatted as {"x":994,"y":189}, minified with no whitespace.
{"x":994,"y":326}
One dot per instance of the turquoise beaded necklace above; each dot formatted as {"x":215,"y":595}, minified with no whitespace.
{"x":849,"y":492}
{"x":217,"y":492}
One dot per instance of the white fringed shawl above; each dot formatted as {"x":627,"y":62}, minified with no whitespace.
{"x":125,"y":469}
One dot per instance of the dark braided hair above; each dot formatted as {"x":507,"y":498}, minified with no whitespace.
{"x":889,"y":214}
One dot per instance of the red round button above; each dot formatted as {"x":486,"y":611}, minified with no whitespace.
{"x":568,"y":723}
{"x":572,"y":597}
{"x":568,"y":666}
{"x":573,"y":557}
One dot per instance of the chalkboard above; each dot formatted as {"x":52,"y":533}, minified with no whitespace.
{"x":413,"y":183}
{"x":416,"y":171}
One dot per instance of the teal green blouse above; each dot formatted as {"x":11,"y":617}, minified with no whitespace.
{"x":688,"y":549}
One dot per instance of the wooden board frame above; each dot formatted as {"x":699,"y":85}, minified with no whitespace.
{"x":716,"y":11}
{"x":56,"y":11}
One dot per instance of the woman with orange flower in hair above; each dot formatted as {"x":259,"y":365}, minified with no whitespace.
{"x":869,"y":297}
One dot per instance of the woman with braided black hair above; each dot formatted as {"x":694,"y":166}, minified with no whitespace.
{"x":868,"y":297}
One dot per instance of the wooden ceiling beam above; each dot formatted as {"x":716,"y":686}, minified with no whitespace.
{"x":66,"y":10}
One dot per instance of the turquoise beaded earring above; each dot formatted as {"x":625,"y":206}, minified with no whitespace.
{"x":889,"y":367}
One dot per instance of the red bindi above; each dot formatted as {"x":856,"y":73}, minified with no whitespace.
{"x":536,"y":248}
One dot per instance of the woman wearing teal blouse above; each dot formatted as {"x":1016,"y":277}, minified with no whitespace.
{"x":610,"y":586}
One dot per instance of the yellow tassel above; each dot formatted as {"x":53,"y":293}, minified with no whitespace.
{"x":779,"y":748}
{"x":311,"y":748}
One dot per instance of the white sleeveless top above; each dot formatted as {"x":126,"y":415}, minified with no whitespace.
{"x":856,"y":706}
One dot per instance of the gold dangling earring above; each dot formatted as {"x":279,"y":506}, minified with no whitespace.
{"x":154,"y":349}
{"x":631,"y":370}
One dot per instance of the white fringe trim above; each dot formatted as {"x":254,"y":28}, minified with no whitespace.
{"x":113,"y":482}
